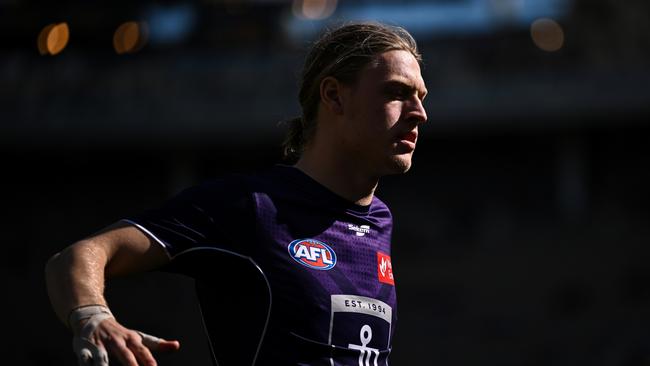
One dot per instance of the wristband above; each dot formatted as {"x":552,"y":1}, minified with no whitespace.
{"x":96,"y":312}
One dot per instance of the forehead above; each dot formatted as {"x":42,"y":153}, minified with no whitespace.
{"x":396,"y":65}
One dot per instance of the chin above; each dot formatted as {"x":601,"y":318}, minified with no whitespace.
{"x":399,"y":164}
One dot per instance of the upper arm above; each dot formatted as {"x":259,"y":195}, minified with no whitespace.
{"x":214,"y":214}
{"x":128,"y":250}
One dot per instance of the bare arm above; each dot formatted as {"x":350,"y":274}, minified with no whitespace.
{"x":75,"y":277}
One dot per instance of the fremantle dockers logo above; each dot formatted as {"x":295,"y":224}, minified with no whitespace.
{"x":313,"y":254}
{"x":363,"y":326}
{"x":366,"y":353}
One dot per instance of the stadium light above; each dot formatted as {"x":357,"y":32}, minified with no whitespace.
{"x":547,"y":34}
{"x":53,"y":38}
{"x":130,"y":37}
{"x":314,"y":9}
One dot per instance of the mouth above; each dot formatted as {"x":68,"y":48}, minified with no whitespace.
{"x":411,"y":136}
{"x":408,"y":139}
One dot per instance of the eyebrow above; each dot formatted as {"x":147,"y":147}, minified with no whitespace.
{"x":402,"y":84}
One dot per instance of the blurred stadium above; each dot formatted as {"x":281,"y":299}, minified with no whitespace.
{"x":522,"y":232}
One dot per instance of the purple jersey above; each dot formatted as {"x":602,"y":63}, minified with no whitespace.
{"x":325,"y":293}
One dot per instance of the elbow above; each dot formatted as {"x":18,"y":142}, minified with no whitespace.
{"x":77,"y":257}
{"x":53,"y":266}
{"x":61,"y":261}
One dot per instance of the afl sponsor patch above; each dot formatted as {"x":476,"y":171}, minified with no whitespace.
{"x":385,"y":269}
{"x":313,"y":254}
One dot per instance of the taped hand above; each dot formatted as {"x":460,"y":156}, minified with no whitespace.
{"x":98,"y":336}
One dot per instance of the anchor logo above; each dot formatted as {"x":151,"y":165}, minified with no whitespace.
{"x":365,"y":352}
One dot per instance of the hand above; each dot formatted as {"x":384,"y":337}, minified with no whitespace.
{"x":131,"y":348}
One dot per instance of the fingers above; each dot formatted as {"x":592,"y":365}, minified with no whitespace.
{"x":135,"y":348}
{"x":150,"y":341}
{"x":156,"y":344}
{"x":100,"y":357}
{"x":131,"y":352}
{"x":144,"y":356}
{"x":128,"y":347}
{"x":88,"y":353}
{"x":168,"y":346}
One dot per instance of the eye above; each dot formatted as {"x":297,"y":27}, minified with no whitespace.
{"x":401,"y":94}
{"x":398,"y":93}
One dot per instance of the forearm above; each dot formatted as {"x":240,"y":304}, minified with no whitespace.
{"x":75,"y":277}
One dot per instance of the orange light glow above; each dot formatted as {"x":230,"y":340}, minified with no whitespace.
{"x":130,"y":37}
{"x":547,"y":34}
{"x":53,"y":38}
{"x":314,"y":9}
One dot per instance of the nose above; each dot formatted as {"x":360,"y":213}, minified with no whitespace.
{"x":417,"y":113}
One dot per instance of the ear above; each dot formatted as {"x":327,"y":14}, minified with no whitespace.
{"x":331,"y":95}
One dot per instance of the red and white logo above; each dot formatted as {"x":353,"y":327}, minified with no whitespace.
{"x":385,"y":269}
{"x":313,"y":254}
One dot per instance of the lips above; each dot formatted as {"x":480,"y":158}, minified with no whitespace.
{"x":406,"y":141}
{"x":410,"y":136}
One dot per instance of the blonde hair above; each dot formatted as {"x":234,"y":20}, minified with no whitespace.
{"x":340,"y":53}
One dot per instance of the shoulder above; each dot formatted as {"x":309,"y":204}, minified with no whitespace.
{"x":215,"y":194}
{"x":277,"y":180}
{"x":234,"y":187}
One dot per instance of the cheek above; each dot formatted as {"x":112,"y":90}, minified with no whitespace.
{"x":382,"y":118}
{"x":394,"y":110}
{"x":370,"y":126}
{"x":379,"y":127}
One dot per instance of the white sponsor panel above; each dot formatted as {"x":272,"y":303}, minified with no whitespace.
{"x":363,"y":305}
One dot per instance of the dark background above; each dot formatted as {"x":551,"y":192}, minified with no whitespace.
{"x":521,"y":233}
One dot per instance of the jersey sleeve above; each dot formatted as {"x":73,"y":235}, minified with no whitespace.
{"x":218,"y":214}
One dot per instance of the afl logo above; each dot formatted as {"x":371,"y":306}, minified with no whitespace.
{"x":313,"y":254}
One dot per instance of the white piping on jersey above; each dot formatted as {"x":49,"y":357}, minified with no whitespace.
{"x":151,"y":235}
{"x":268,"y":285}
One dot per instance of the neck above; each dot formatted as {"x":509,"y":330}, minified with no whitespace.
{"x":340,"y":175}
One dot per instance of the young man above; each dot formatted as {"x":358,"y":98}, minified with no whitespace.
{"x":292,"y":264}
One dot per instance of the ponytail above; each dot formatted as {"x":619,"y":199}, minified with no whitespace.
{"x":292,"y":146}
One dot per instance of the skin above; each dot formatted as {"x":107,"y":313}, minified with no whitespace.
{"x":76,"y":277}
{"x":365,"y":131}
